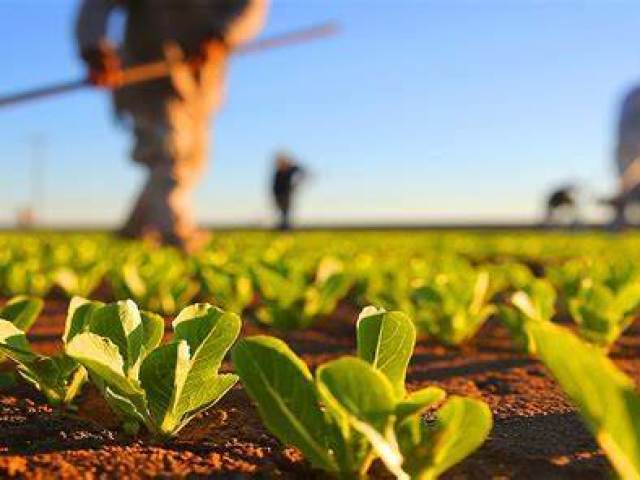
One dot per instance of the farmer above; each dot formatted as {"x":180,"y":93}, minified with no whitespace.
{"x":562,"y":205}
{"x":286,"y":178}
{"x":627,"y":158}
{"x":169,"y":117}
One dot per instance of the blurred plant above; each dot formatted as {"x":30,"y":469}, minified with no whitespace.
{"x":452,"y":307}
{"x":603,"y":314}
{"x":160,"y":281}
{"x":225,"y":284}
{"x":290,"y":301}
{"x":79,"y":282}
{"x":535,"y":301}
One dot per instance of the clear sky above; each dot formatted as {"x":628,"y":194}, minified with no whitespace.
{"x":419,"y":110}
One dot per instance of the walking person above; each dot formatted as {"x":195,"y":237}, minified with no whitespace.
{"x":562,"y":206}
{"x":169,"y":117}
{"x":286,"y":178}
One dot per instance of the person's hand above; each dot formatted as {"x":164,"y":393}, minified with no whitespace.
{"x":105,"y":67}
{"x":212,"y":49}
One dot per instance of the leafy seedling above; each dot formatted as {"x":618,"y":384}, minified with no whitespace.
{"x":22,"y":311}
{"x":59,"y":378}
{"x":26,"y":277}
{"x":452,"y":307}
{"x":508,"y":277}
{"x":291,"y":302}
{"x":157,"y":280}
{"x":79,"y":282}
{"x":535,"y":301}
{"x":229,"y":288}
{"x":603,"y":314}
{"x":356,"y":409}
{"x":159,"y":386}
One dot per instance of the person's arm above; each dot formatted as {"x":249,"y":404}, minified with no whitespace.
{"x":246,"y":22}
{"x":96,"y":50}
{"x":241,"y":21}
{"x":299,"y":175}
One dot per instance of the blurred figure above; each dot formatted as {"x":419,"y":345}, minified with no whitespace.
{"x":169,"y":117}
{"x":285,"y":180}
{"x":562,"y":206}
{"x":25,"y":218}
{"x":627,"y":160}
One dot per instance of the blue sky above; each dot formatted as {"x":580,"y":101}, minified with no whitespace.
{"x":419,"y":110}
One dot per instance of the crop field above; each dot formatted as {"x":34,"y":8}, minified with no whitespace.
{"x":410,"y":355}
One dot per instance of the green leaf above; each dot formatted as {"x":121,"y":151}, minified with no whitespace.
{"x":22,"y":311}
{"x":14,"y":344}
{"x":102,"y":358}
{"x":536,"y":301}
{"x":216,"y":388}
{"x":121,"y":323}
{"x":462,"y":425}
{"x":605,"y":397}
{"x":480,"y":293}
{"x":386,"y":340}
{"x":322,"y":297}
{"x":514,"y":321}
{"x":74,"y":382}
{"x":152,"y":329}
{"x":210,"y":333}
{"x":282,"y":386}
{"x":353,"y":386}
{"x":162,"y":375}
{"x":453,"y":306}
{"x":361,"y":398}
{"x":198,"y":323}
{"x":59,"y":378}
{"x":601,"y":314}
{"x":78,"y":316}
{"x":417,"y":402}
{"x":125,"y":408}
{"x":628,"y":298}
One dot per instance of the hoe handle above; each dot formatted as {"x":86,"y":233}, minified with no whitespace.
{"x":154,"y":70}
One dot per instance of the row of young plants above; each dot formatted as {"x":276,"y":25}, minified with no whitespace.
{"x":353,"y":411}
{"x":235,"y":272}
{"x":449,"y":296}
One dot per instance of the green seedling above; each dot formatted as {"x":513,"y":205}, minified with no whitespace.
{"x":603,"y":314}
{"x":230,"y":288}
{"x":159,"y":386}
{"x":158,"y":281}
{"x":452,"y":308}
{"x":535,"y":301}
{"x":508,"y":277}
{"x":356,"y":409}
{"x":58,"y":377}
{"x":291,"y":302}
{"x":26,"y":277}
{"x":22,"y":311}
{"x":79,"y":282}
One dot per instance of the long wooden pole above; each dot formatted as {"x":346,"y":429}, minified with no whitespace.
{"x":154,"y":70}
